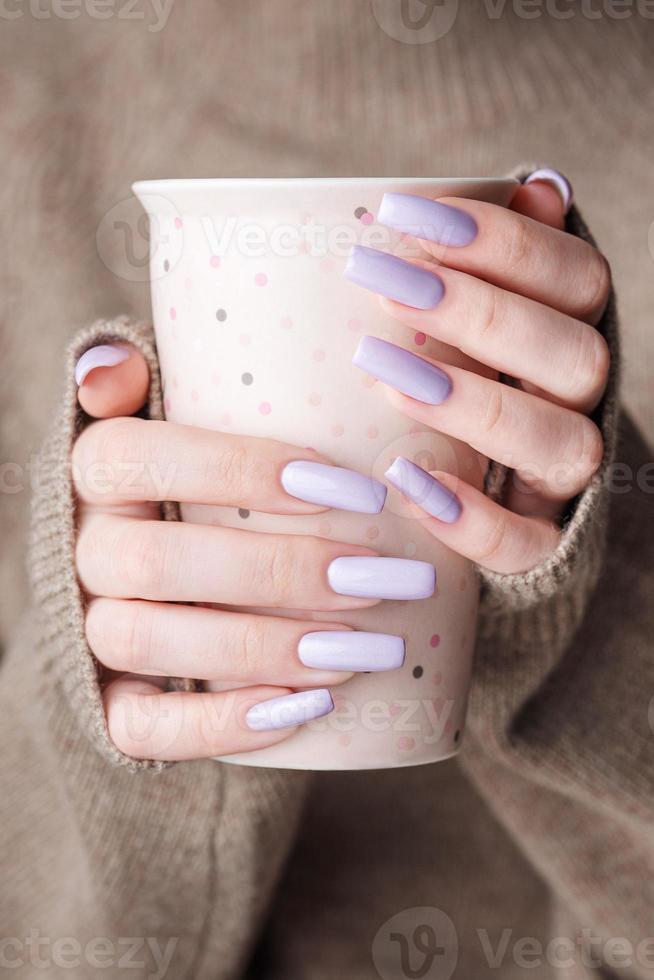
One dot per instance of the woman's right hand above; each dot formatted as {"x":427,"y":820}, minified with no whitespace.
{"x":142,"y":576}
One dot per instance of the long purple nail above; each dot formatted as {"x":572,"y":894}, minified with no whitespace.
{"x":424,"y":490}
{"x":333,"y":486}
{"x":351,"y":650}
{"x":395,"y":278}
{"x":382,"y":578}
{"x":401,"y":369}
{"x":560,"y":182}
{"x":106,"y":355}
{"x":424,"y":218}
{"x":289,"y":710}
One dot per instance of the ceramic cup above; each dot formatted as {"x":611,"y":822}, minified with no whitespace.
{"x":256,"y":327}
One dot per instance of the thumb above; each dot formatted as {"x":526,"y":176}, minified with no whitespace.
{"x":112,"y":380}
{"x":546,"y":196}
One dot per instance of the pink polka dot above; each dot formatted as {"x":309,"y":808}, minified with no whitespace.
{"x":448,"y":725}
{"x":372,"y":532}
{"x":315,"y":399}
{"x":173,"y":313}
{"x":324,"y":529}
{"x":405,"y":743}
{"x":438,"y":677}
{"x":261,"y":279}
{"x":395,"y":709}
{"x":420,"y":339}
{"x":368,"y":381}
{"x":175,"y":382}
{"x":372,"y":432}
{"x":215,"y":379}
{"x":245,"y":340}
{"x":337,"y":430}
{"x":434,"y":640}
{"x":367,"y":218}
{"x":344,"y":740}
{"x":214,"y":262}
{"x":195,"y":395}
{"x":319,"y":355}
{"x":286,"y":323}
{"x":326,"y":265}
{"x":225,"y":419}
{"x":354,"y":324}
{"x":188,"y":283}
{"x":178,"y":222}
{"x":167,"y":404}
{"x":265,"y":408}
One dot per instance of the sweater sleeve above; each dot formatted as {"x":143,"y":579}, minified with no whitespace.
{"x":58,"y":598}
{"x":561,"y":712}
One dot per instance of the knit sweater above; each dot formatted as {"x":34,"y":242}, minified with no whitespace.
{"x":539,"y":832}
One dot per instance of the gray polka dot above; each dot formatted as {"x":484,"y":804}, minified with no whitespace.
{"x":247,"y":378}
{"x":166,"y":266}
{"x":221,"y":315}
{"x":359,"y":213}
{"x":457,"y":736}
{"x":418,"y":672}
{"x":242,"y":512}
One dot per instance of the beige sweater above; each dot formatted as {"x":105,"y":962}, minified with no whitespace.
{"x":542,"y":829}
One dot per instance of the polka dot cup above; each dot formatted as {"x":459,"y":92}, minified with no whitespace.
{"x":256,"y":327}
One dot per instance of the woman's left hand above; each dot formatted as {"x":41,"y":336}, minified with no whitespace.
{"x":519,"y":296}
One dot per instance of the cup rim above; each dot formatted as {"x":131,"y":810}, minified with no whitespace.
{"x":205,"y":183}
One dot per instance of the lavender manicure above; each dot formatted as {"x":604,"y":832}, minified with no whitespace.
{"x":395,"y":278}
{"x":351,"y":650}
{"x":427,"y":219}
{"x":560,"y":182}
{"x":289,"y":710}
{"x":106,"y":355}
{"x":424,"y":490}
{"x":382,"y":578}
{"x":333,"y":486}
{"x":401,"y":369}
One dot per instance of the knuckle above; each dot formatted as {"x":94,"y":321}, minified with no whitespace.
{"x":517,"y":245}
{"x":252,"y":653}
{"x":142,"y":556}
{"x":276,"y":569}
{"x":595,"y":289}
{"x":489,"y":312}
{"x":494,"y":542}
{"x":495,"y":411}
{"x":232,"y":470}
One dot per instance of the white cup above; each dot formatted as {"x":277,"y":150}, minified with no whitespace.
{"x":256,"y":327}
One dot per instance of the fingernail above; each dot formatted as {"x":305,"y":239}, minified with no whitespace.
{"x":289,"y":710}
{"x":382,"y":578}
{"x":333,"y":486}
{"x":401,"y":369}
{"x":351,"y":650}
{"x":106,"y":355}
{"x":394,"y":278}
{"x":424,"y":218}
{"x":424,"y":490}
{"x":558,"y":180}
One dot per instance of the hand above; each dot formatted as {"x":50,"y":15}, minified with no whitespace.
{"x":138,"y":571}
{"x":512,"y":293}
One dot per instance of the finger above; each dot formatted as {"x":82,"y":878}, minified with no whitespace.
{"x":553,"y":449}
{"x":542,"y":202}
{"x":501,"y":246}
{"x":124,"y":558}
{"x":130,"y":459}
{"x":146,"y":724}
{"x":212,"y":644}
{"x":558,"y":354}
{"x":470,"y":523}
{"x":112,"y":379}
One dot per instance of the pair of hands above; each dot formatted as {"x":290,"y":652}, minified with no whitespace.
{"x":522,"y":298}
